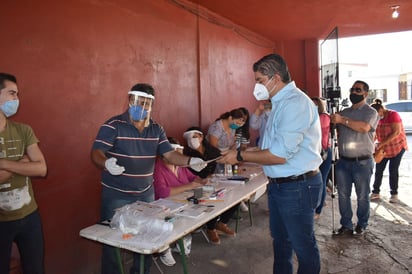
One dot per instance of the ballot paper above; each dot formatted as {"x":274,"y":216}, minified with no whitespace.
{"x":193,"y":211}
{"x":173,"y":206}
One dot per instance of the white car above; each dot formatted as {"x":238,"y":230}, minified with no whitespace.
{"x":404,"y":108}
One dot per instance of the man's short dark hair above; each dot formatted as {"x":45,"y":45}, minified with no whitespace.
{"x":365,"y":85}
{"x":6,"y":76}
{"x":272,"y":64}
{"x":144,"y":88}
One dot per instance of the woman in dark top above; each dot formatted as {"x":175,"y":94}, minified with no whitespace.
{"x":198,"y":146}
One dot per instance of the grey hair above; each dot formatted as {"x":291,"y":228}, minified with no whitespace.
{"x":272,"y":64}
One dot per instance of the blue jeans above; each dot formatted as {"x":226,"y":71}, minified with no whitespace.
{"x":394,"y":164}
{"x":324,"y":170}
{"x":27,"y":233}
{"x":358,"y":173}
{"x":112,"y":199}
{"x":292,"y":206}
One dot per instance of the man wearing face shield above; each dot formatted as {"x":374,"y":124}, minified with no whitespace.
{"x":125,"y":149}
{"x":289,"y":153}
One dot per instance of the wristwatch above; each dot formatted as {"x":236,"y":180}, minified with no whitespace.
{"x":239,"y":157}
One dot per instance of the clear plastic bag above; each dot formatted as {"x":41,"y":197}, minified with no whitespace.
{"x":132,"y":219}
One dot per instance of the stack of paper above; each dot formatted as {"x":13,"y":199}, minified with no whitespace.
{"x":173,"y":206}
{"x":193,"y":211}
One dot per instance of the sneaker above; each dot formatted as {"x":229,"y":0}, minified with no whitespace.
{"x":343,"y":231}
{"x":359,"y":230}
{"x":187,"y":243}
{"x":167,"y":258}
{"x":394,"y":199}
{"x":375,"y":196}
{"x":213,"y":237}
{"x":243,"y":207}
{"x":225,"y":229}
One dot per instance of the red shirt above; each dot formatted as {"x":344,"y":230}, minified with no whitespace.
{"x":325,"y":125}
{"x":384,"y":130}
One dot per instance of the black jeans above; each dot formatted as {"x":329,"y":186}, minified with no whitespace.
{"x":27,"y":233}
{"x":394,"y":164}
{"x":224,"y":218}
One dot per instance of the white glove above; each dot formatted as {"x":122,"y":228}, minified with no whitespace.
{"x":197,"y":164}
{"x":112,"y":167}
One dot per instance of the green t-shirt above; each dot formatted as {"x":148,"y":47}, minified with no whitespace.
{"x":16,"y":195}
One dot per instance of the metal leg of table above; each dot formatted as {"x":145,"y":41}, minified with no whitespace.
{"x":141,"y":264}
{"x":182,"y":255}
{"x":119,"y":260}
{"x":250,"y":212}
{"x":237,"y":217}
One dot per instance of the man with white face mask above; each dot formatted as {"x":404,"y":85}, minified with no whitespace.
{"x":125,"y":149}
{"x":20,"y":159}
{"x":290,"y":158}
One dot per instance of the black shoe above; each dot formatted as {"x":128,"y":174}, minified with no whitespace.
{"x":359,"y":230}
{"x":343,"y":231}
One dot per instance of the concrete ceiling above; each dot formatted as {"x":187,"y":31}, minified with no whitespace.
{"x":279,"y":20}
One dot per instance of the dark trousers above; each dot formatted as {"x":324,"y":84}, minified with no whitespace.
{"x":224,"y":218}
{"x":394,"y":164}
{"x":27,"y":233}
{"x":112,"y":199}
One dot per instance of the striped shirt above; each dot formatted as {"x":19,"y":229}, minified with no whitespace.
{"x":135,"y":151}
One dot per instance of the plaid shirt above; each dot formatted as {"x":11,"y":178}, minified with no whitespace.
{"x":384,"y":130}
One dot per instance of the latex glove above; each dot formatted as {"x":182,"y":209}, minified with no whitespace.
{"x":113,"y":167}
{"x":197,"y":164}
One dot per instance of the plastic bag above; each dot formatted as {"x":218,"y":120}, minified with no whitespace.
{"x":132,"y":219}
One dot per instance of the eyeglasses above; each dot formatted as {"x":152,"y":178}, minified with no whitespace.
{"x":355,"y":90}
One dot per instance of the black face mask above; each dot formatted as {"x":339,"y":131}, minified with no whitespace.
{"x":355,"y":98}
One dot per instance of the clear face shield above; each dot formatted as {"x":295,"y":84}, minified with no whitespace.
{"x":140,"y":106}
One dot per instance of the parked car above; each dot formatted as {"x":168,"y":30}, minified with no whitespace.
{"x":404,"y":108}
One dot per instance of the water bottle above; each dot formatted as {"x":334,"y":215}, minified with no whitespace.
{"x":228,"y":170}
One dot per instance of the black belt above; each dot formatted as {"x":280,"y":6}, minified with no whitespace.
{"x":360,"y":158}
{"x":294,"y":178}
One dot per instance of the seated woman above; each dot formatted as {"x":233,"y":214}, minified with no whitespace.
{"x":198,"y":146}
{"x":168,"y":180}
{"x":222,"y":133}
{"x":229,"y":131}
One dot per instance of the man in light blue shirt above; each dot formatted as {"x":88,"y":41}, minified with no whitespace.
{"x":290,"y":155}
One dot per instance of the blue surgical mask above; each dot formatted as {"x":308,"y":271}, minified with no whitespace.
{"x":137,"y":113}
{"x":234,"y":126}
{"x":9,"y":108}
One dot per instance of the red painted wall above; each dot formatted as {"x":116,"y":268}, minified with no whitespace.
{"x":76,"y":60}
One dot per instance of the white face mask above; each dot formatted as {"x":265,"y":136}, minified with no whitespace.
{"x":261,"y":92}
{"x":193,"y":143}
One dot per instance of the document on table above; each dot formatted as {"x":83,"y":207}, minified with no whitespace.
{"x":193,"y":211}
{"x":172,"y":205}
